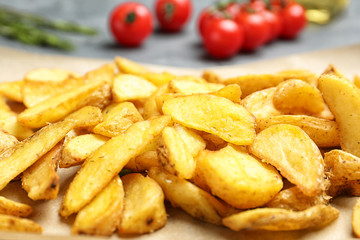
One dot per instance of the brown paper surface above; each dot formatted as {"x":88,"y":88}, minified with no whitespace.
{"x":14,"y":64}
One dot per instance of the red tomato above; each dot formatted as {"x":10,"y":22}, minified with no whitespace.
{"x":173,"y":14}
{"x":233,"y":9}
{"x":131,"y":23}
{"x":258,"y":5}
{"x":256,"y":30}
{"x":208,"y":14}
{"x":275,"y":23}
{"x":294,"y":20}
{"x":222,"y":38}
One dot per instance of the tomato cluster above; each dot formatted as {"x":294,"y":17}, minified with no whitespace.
{"x":228,"y":28}
{"x":131,"y":22}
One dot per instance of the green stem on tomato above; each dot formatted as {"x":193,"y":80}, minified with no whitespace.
{"x":130,"y":17}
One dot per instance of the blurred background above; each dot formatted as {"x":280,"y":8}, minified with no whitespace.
{"x":183,"y":48}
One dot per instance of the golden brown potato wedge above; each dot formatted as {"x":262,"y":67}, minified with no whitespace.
{"x":295,"y":96}
{"x":325,"y":133}
{"x":158,"y":79}
{"x":128,"y":87}
{"x":357,"y":81}
{"x":117,"y":119}
{"x":231,"y":92}
{"x":144,"y":209}
{"x":290,"y":150}
{"x":16,"y":224}
{"x":356,"y":219}
{"x":161,"y":99}
{"x":48,"y":75}
{"x":213,"y":114}
{"x":276,"y":219}
{"x":343,"y":99}
{"x":10,"y":123}
{"x":57,"y":107}
{"x":77,"y":149}
{"x":213,"y":142}
{"x":255,"y":82}
{"x":349,"y":188}
{"x":34,"y":92}
{"x":42,"y":141}
{"x":211,"y":77}
{"x":238,"y":178}
{"x":302,"y":74}
{"x":108,"y":160}
{"x":144,"y":161}
{"x":102,"y":215}
{"x":177,"y":150}
{"x":41,"y":180}
{"x":293,"y":199}
{"x":193,"y":200}
{"x":12,"y":90}
{"x":6,"y":140}
{"x":187,"y":87}
{"x":130,"y":67}
{"x":342,"y":166}
{"x":150,"y":106}
{"x":13,"y":208}
{"x":261,"y":104}
{"x":331,"y":69}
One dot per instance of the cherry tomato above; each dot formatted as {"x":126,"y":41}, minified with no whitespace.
{"x":256,"y":29}
{"x":208,"y":14}
{"x":258,"y":5}
{"x":173,"y":14}
{"x":294,"y":20}
{"x":233,"y":9}
{"x":275,"y":23}
{"x":131,"y":23}
{"x":222,"y":38}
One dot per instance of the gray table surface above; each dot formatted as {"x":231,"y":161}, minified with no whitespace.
{"x":182,"y":49}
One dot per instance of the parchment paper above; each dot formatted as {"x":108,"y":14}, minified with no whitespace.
{"x":14,"y":64}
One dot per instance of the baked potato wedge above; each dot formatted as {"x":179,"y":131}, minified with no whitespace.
{"x":144,"y":208}
{"x":15,"y":224}
{"x":33,"y":148}
{"x":254,"y":82}
{"x":295,"y":97}
{"x":177,"y":150}
{"x":102,"y":215}
{"x":276,"y":219}
{"x":343,"y":99}
{"x":260,"y":104}
{"x":41,"y":180}
{"x":128,"y":87}
{"x":77,"y":149}
{"x":17,"y":209}
{"x":213,"y":114}
{"x":57,"y":107}
{"x":117,"y":119}
{"x":291,"y":151}
{"x":107,"y":161}
{"x":193,"y":200}
{"x":238,"y":178}
{"x":325,"y":133}
{"x":293,"y":199}
{"x":12,"y":90}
